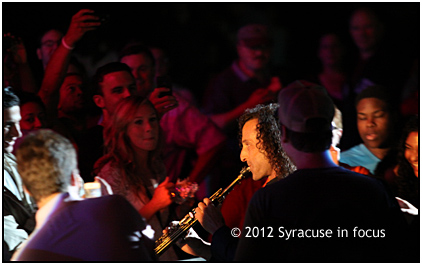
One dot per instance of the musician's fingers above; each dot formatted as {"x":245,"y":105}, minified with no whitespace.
{"x":201,"y":206}
{"x":199,"y":214}
{"x":207,"y":201}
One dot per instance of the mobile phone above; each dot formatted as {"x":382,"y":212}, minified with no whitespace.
{"x":102,"y":17}
{"x":164,"y":81}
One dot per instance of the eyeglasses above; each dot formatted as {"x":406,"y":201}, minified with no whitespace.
{"x":50,"y":43}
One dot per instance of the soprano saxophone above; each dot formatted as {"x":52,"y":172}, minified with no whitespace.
{"x":167,"y":239}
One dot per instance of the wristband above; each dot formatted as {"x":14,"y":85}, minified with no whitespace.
{"x":67,"y":46}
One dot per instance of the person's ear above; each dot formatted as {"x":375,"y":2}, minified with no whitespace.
{"x":75,"y":179}
{"x":99,"y":101}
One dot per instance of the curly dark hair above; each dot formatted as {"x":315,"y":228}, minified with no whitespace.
{"x":407,"y":182}
{"x":269,"y":137}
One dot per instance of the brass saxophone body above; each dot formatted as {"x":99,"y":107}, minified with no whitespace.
{"x":166,"y":240}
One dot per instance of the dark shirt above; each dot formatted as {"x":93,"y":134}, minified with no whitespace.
{"x":230,"y":89}
{"x":90,"y":149}
{"x":100,"y":229}
{"x":318,"y":201}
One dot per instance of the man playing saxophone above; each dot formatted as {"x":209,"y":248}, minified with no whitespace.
{"x":261,"y":149}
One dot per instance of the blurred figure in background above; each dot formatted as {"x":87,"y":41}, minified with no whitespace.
{"x":17,"y":72}
{"x":245,"y":84}
{"x":33,"y":115}
{"x":49,"y":42}
{"x":162,"y":68}
{"x":331,"y":54}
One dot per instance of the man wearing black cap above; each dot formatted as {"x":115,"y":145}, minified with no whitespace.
{"x":321,"y":212}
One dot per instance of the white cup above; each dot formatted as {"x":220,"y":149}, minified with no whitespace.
{"x":92,"y":189}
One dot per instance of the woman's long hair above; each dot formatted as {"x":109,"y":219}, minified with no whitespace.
{"x":407,"y":182}
{"x":118,"y":148}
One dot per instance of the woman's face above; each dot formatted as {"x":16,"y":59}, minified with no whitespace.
{"x":330,"y":50}
{"x":143,"y":130}
{"x":411,"y":152}
{"x":33,"y":116}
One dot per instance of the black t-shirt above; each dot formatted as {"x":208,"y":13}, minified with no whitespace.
{"x":323,"y":215}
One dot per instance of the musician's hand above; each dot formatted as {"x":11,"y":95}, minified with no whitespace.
{"x":194,"y":245}
{"x":209,"y":216}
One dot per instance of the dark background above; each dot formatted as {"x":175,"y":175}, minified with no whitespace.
{"x":199,"y":36}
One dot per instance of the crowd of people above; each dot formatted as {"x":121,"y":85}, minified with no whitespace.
{"x":333,"y":152}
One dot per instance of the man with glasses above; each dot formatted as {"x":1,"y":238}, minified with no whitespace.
{"x":49,"y":42}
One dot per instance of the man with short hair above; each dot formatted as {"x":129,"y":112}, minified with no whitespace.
{"x":112,"y":82}
{"x":18,"y":207}
{"x":321,"y":212}
{"x":375,"y":123}
{"x":68,"y":228}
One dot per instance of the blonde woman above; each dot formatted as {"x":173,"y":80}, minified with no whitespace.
{"x":132,"y":165}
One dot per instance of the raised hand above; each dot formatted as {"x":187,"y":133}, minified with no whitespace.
{"x":81,"y":22}
{"x":264,"y":95}
{"x":162,"y":104}
{"x":275,"y":85}
{"x":17,"y":48}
